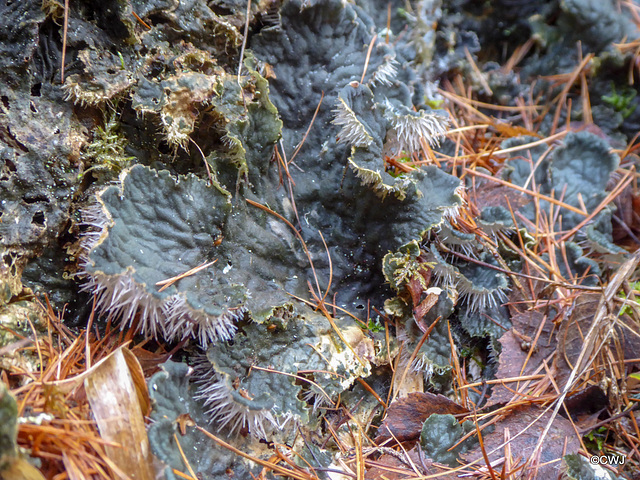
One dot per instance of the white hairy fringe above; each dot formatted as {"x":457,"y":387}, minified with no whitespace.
{"x":408,"y":130}
{"x":351,"y":131}
{"x":386,"y":72}
{"x":478,"y":299}
{"x":223,"y":410}
{"x":444,"y":276}
{"x":96,"y":220}
{"x":121,"y":297}
{"x":184,"y":321}
{"x":422,"y":364}
{"x":75,"y":93}
{"x":456,"y":245}
{"x":171,"y":318}
{"x":453,"y":213}
{"x":316,"y":399}
{"x":176,"y":136}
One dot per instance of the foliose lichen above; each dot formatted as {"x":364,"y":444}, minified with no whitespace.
{"x":172,"y":393}
{"x":261,"y":379}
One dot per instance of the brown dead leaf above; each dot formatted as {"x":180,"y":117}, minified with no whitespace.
{"x":402,"y":466}
{"x":586,"y":406}
{"x":516,"y":345}
{"x":423,"y":299}
{"x":406,"y":415}
{"x":19,"y":469}
{"x":572,"y":334}
{"x":388,"y":467}
{"x":150,"y":361}
{"x":524,"y":439}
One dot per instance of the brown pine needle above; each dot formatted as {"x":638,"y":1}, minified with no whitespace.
{"x":184,"y":458}
{"x":144,"y":24}
{"x":366,"y":61}
{"x":528,"y":192}
{"x":64,"y":39}
{"x":368,"y":388}
{"x":313,"y":119}
{"x":170,"y":281}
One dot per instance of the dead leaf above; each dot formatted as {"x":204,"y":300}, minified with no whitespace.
{"x":516,"y":345}
{"x":524,"y":439}
{"x":139,"y":382}
{"x":406,"y":415}
{"x":388,"y":467}
{"x":398,"y":466}
{"x":19,"y":469}
{"x":586,"y":406}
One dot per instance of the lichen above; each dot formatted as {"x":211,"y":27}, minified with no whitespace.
{"x":171,"y":391}
{"x":440,"y":438}
{"x":258,"y":381}
{"x":9,"y":430}
{"x":197,"y":225}
{"x":580,"y":168}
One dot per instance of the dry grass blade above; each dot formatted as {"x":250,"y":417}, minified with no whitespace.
{"x":244,"y":39}
{"x":368,"y":57}
{"x":601,"y":321}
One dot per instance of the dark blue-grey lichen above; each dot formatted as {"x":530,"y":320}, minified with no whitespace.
{"x":157,"y":227}
{"x":494,"y":220}
{"x":440,"y":433}
{"x":358,"y":225}
{"x":578,"y":172}
{"x":595,"y":23}
{"x":9,"y":429}
{"x":261,"y":379}
{"x":171,"y":392}
{"x":577,"y":467}
{"x":40,"y":142}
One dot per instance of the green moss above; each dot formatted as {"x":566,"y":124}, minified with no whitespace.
{"x":106,"y":154}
